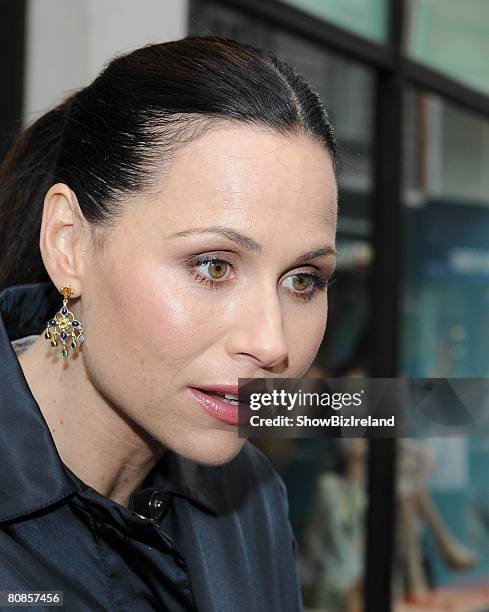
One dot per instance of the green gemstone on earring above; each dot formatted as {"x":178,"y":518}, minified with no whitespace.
{"x":73,"y":344}
{"x":64,"y":353}
{"x":81,"y":338}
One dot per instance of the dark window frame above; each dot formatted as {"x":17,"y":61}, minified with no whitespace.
{"x":12,"y":55}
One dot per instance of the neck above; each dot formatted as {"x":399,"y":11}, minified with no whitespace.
{"x":355,"y":470}
{"x":94,"y":439}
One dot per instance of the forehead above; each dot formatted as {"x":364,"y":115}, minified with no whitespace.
{"x":236,"y":173}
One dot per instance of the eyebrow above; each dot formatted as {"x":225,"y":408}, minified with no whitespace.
{"x":248,"y":243}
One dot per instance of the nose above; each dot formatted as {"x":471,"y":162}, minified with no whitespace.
{"x":258,"y":334}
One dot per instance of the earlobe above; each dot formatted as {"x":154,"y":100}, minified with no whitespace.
{"x":60,"y":236}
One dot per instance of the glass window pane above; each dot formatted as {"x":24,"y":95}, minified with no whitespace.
{"x":452,"y":37}
{"x":442,"y":553}
{"x":367,"y":18}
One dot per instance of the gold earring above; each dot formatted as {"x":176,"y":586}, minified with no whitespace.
{"x":64,"y":325}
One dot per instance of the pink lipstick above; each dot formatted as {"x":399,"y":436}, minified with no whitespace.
{"x":211,"y":398}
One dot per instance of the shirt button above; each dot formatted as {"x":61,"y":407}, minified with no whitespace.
{"x":157,"y":505}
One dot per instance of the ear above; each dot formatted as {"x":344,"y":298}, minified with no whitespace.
{"x":63,"y":237}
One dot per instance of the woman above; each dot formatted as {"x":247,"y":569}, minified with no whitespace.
{"x":184,"y":206}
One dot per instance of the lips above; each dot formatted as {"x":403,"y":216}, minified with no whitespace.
{"x":221,"y":410}
{"x":221,"y":389}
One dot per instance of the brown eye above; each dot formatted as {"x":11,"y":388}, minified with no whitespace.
{"x":301,"y":281}
{"x":217,"y":269}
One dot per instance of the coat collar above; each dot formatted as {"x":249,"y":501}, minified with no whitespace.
{"x":33,"y":476}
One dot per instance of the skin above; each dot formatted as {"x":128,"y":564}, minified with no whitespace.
{"x":152,"y":328}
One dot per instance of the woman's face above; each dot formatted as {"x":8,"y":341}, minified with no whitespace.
{"x":160,"y":318}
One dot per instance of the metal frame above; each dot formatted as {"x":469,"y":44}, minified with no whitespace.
{"x":425,"y":78}
{"x":12,"y":41}
{"x":385,"y":318}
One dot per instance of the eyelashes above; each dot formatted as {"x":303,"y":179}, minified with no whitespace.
{"x":317,"y":282}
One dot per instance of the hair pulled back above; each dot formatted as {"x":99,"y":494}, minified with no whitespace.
{"x":113,"y":137}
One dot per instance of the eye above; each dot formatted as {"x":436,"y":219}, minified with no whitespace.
{"x":211,"y":270}
{"x":217,"y":268}
{"x":305,"y":286}
{"x":301,"y":282}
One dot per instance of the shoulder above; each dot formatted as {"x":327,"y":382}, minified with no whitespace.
{"x":330,"y":483}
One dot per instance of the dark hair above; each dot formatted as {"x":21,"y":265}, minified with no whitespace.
{"x":112,"y":138}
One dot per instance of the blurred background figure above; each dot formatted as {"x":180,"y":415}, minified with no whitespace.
{"x":407,"y":89}
{"x":333,"y":544}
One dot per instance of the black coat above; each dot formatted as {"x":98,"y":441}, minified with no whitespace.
{"x":193,"y":537}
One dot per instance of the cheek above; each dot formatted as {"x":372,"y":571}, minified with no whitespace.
{"x":305,"y":336}
{"x":140,"y":334}
{"x":161,"y":317}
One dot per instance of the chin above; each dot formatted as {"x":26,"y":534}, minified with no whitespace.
{"x":216,"y":448}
